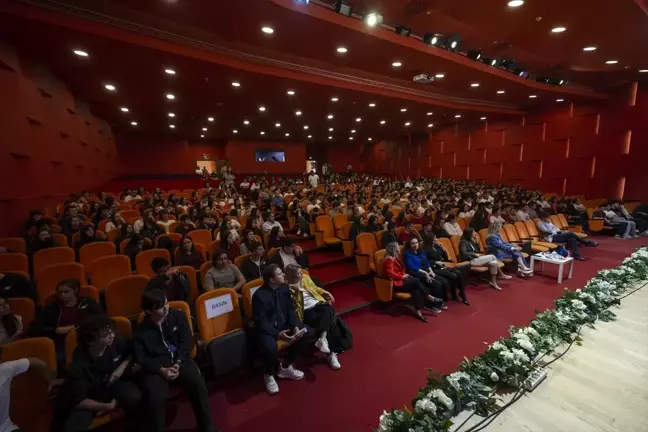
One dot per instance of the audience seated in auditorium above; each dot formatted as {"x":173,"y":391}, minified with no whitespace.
{"x":495,"y":245}
{"x":552,"y":234}
{"x":271,"y":223}
{"x":188,"y":255}
{"x":252,"y":267}
{"x":11,"y":324}
{"x":276,"y":320}
{"x":100,"y":377}
{"x":173,"y":282}
{"x":389,"y":236}
{"x":470,"y":251}
{"x":14,"y":285}
{"x":289,"y":253}
{"x":479,"y":220}
{"x":417,"y":265}
{"x":186,"y":225}
{"x":162,"y":347}
{"x":452,"y":278}
{"x":451,"y":226}
{"x":223,"y":274}
{"x":88,"y":235}
{"x":408,"y":233}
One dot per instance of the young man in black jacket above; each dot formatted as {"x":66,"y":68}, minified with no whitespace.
{"x":175,"y":284}
{"x":252,"y":267}
{"x":162,"y":346}
{"x":97,"y":379}
{"x":276,"y":320}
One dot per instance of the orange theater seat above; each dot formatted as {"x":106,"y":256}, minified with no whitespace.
{"x":512,"y":236}
{"x":366,"y":248}
{"x":14,"y":244}
{"x":106,"y":269}
{"x":124,"y":295}
{"x":55,"y":255}
{"x":26,"y":308}
{"x":60,"y":240}
{"x":175,"y":238}
{"x":324,"y":233}
{"x":218,"y":313}
{"x":247,"y":292}
{"x":49,"y":277}
{"x":127,"y":214}
{"x":92,"y":251}
{"x":193,"y":281}
{"x":14,"y":262}
{"x":202,"y":237}
{"x":338,"y":221}
{"x":384,"y":285}
{"x":143,"y":260}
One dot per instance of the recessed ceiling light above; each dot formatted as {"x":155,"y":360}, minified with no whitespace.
{"x":500,"y":92}
{"x":350,"y":138}
{"x":287,"y":134}
{"x":559,"y":29}
{"x":382,"y":122}
{"x":358,"y":120}
{"x":371,"y":105}
{"x":234,"y":131}
{"x":277,"y":125}
{"x":429,"y":113}
{"x":246,"y":122}
{"x":170,"y":96}
{"x":134,"y":123}
{"x":330,"y":137}
{"x":532,"y":96}
{"x":341,"y":50}
{"x":590,"y":48}
{"x":330,"y":116}
{"x":211,"y":119}
{"x":262,"y":108}
{"x":290,"y":92}
{"x":110,"y":87}
{"x":458,"y":116}
{"x":482,"y":118}
{"x":172,"y":126}
{"x":353,"y":131}
{"x":612,"y":62}
{"x":330,"y":129}
{"x":267,"y":30}
{"x":407,"y":123}
{"x":560,"y":100}
{"x":474,"y":85}
{"x":80,"y":53}
{"x":124,"y":109}
{"x":310,"y":136}
{"x":397,"y":64}
{"x":643,"y":70}
{"x":170,"y":71}
{"x":373,"y":19}
{"x":369,"y":139}
{"x":202,"y":136}
{"x":403,"y":109}
{"x":171,"y":115}
{"x":204,"y":129}
{"x":262,"y":133}
{"x":515,"y":3}
{"x":334,"y":99}
{"x":431,"y":125}
{"x":236,"y":84}
{"x":305,"y":127}
{"x":298,"y":113}
{"x":439,"y":75}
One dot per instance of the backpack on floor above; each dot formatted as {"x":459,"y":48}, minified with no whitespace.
{"x":340,"y":333}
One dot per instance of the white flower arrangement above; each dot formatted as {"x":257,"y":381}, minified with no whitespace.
{"x":439,"y":395}
{"x":425,"y":405}
{"x":527,"y":345}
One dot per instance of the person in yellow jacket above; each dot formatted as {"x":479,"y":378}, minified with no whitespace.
{"x":314,"y":308}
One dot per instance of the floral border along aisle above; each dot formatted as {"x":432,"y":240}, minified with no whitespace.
{"x":509,"y":362}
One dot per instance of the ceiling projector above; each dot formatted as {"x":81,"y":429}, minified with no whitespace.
{"x":423,"y":79}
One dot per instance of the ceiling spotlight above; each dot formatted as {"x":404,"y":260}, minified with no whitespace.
{"x":431,"y":39}
{"x":453,"y":42}
{"x":369,"y":139}
{"x":372,"y":105}
{"x":334,"y":99}
{"x":612,"y":62}
{"x":521,"y":72}
{"x":407,"y":123}
{"x":431,"y":125}
{"x":643,"y":70}
{"x":350,"y":138}
{"x":210,"y":119}
{"x":330,"y":137}
{"x":508,"y":64}
{"x":202,"y":136}
{"x":305,"y":127}
{"x":373,"y":19}
{"x":500,"y":92}
{"x":290,"y":92}
{"x":330,"y":129}
{"x":341,"y":50}
{"x":532,"y":96}
{"x":267,"y":30}
{"x":560,"y":100}
{"x":80,"y":53}
{"x":170,"y":96}
{"x":171,"y":115}
{"x":170,"y":71}
{"x":439,"y":76}
{"x":262,"y":108}
{"x":124,"y":109}
{"x":474,"y":85}
{"x":429,"y":113}
{"x":277,"y":125}
{"x":298,"y":113}
{"x":262,"y":133}
{"x":515,"y":3}
{"x":204,"y":129}
{"x":172,"y":126}
{"x":110,"y":87}
{"x":382,"y":122}
{"x":482,"y":118}
{"x":134,"y":123}
{"x":234,"y":131}
{"x":590,"y":48}
{"x":358,"y":120}
{"x":475,"y":54}
{"x":246,"y":122}
{"x":330,"y":116}
{"x":343,"y":8}
{"x":491,"y":61}
{"x":403,"y":109}
{"x":287,"y":134}
{"x":558,"y":29}
{"x":397,"y":64}
{"x":353,"y":131}
{"x":403,"y":31}
{"x":310,"y":136}
{"x":236,"y":84}
{"x":458,"y":116}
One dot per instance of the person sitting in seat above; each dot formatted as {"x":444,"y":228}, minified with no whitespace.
{"x":503,"y":250}
{"x":162,"y":345}
{"x":64,"y":314}
{"x":253,"y":266}
{"x":452,"y":278}
{"x":389,"y":236}
{"x":314,"y":306}
{"x":42,"y":241}
{"x":552,"y":234}
{"x":188,"y":255}
{"x":276,"y":320}
{"x":98,"y":380}
{"x":186,"y":225}
{"x":223,"y":274}
{"x":174,"y":283}
{"x":271,"y":223}
{"x":88,"y":235}
{"x":11,"y":324}
{"x":418,"y":266}
{"x":469,"y":250}
{"x":439,"y":223}
{"x":451,"y":226}
{"x":14,"y":285}
{"x":73,"y":226}
{"x":479,"y":220}
{"x":165,"y":222}
{"x":404,"y":282}
{"x":408,"y":233}
{"x":289,"y":254}
{"x":275,"y":237}
{"x":372,"y":224}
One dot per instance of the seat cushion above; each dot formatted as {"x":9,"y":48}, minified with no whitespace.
{"x":402,"y":296}
{"x":332,"y":240}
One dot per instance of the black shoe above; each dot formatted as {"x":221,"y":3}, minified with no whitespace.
{"x":421,"y":318}
{"x":593,"y":243}
{"x":579,"y":258}
{"x":466,"y":302}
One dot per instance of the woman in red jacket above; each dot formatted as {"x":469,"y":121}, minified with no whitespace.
{"x":403,"y":282}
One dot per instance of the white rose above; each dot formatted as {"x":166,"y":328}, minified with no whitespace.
{"x":494,"y":377}
{"x":526,"y":345}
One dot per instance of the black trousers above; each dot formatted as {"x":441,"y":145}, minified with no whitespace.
{"x":269,"y":351}
{"x":453,"y":281}
{"x":156,"y":393}
{"x":436,"y":288}
{"x":126,"y":393}
{"x":572,"y":241}
{"x":320,"y":317}
{"x":418,"y":291}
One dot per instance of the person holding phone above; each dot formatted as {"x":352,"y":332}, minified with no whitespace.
{"x":276,"y":320}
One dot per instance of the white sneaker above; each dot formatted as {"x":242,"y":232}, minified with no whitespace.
{"x":271,"y":385}
{"x":323,"y":346}
{"x":290,"y":372}
{"x":333,"y":361}
{"x":298,"y":232}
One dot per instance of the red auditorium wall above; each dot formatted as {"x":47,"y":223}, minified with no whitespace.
{"x":342,"y":155}
{"x":598,"y":151}
{"x":50,"y":143}
{"x":241,"y":156}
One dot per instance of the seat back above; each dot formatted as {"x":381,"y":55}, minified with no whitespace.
{"x":446,"y":244}
{"x":201,"y":236}
{"x":175,"y":238}
{"x":238,"y":261}
{"x":532,"y":229}
{"x":49,"y":277}
{"x":455,"y":240}
{"x":563,"y":221}
{"x":127,"y":214}
{"x":26,"y":308}
{"x":194,"y":292}
{"x":483,"y":235}
{"x":345,"y":231}
{"x":14,"y":244}
{"x":248,"y":291}
{"x":339,"y":220}
{"x":60,"y":240}
{"x":462,"y":223}
{"x":218,"y":313}
{"x":124,"y":295}
{"x":143,"y":260}
{"x":379,"y":258}
{"x":399,"y":231}
{"x":379,"y":236}
{"x":521,"y":230}
{"x":14,"y":262}
{"x":55,"y":255}
{"x":211,"y":249}
{"x":106,"y":269}
{"x":325,"y":224}
{"x":554,"y":220}
{"x":92,"y":251}
{"x":366,"y":244}
{"x":204,"y":268}
{"x":511,"y":233}
{"x":272,"y":252}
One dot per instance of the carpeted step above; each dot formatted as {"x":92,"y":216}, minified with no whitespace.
{"x":352,"y":295}
{"x":336,"y":271}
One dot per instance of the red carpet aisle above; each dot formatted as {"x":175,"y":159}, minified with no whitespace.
{"x":389,"y":361}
